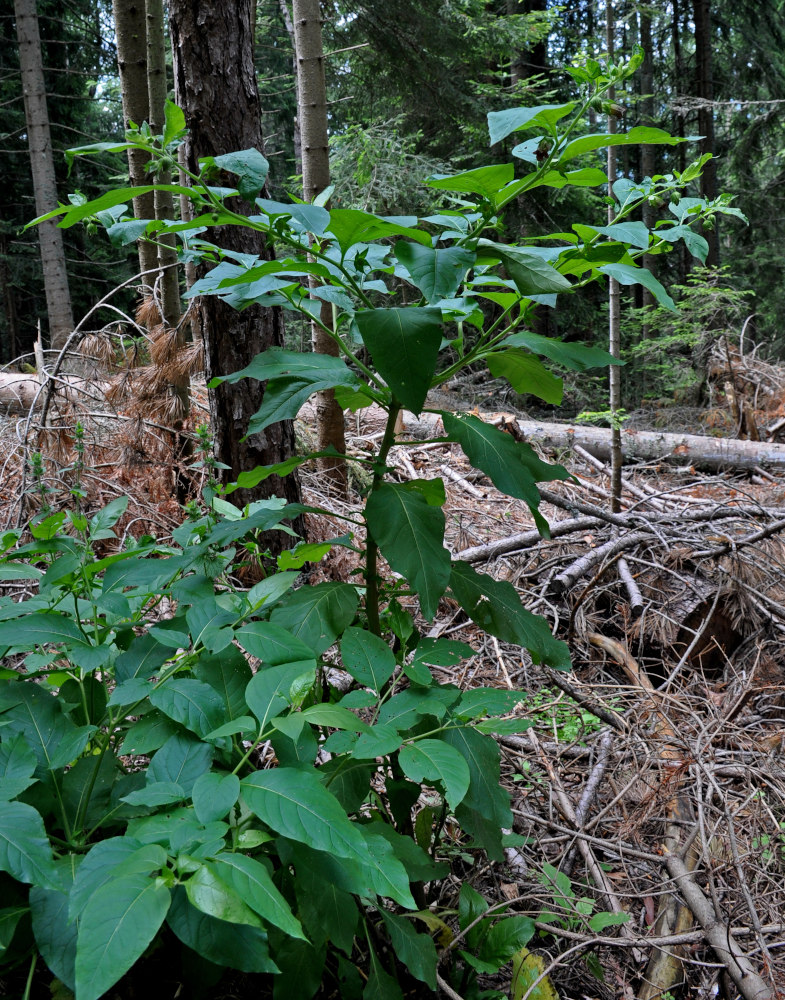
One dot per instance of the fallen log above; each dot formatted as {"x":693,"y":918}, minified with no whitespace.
{"x":19,"y":393}
{"x":688,"y":449}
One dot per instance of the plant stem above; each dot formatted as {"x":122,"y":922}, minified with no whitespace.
{"x":371,"y":548}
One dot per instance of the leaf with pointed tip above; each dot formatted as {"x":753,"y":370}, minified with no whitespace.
{"x":208,"y":892}
{"x":532,"y":275}
{"x":577,"y":357}
{"x":368,"y":658}
{"x":526,"y":374}
{"x":626,"y":274}
{"x":495,"y":606}
{"x":317,"y":615}
{"x":251,"y":881}
{"x":249,"y":166}
{"x":214,"y":795}
{"x":437,"y":273}
{"x":17,"y":764}
{"x":504,"y":123}
{"x":194,"y":704}
{"x":434,"y":760}
{"x":641,"y":134}
{"x":404,"y":344}
{"x":350,"y":226}
{"x":485,"y":181}
{"x":25,"y":852}
{"x":121,"y":921}
{"x":410,"y":533}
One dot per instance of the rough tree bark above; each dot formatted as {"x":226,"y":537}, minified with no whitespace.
{"x":131,"y":35}
{"x":39,"y":138}
{"x":215,"y":85}
{"x":312,"y":115}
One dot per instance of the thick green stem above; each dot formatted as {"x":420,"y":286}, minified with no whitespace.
{"x":371,"y":548}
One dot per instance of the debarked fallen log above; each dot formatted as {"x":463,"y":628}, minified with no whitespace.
{"x":19,"y":393}
{"x":686,"y":449}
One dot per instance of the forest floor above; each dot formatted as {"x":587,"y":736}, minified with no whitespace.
{"x":653,"y":774}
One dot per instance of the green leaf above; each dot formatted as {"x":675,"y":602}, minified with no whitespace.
{"x":148,"y":734}
{"x":416,"y":951}
{"x":284,"y":397}
{"x":143,"y":658}
{"x":437,"y":273}
{"x":526,"y":374}
{"x":121,"y":921}
{"x":251,"y":881}
{"x":182,"y":759}
{"x":107,"y":860}
{"x":24,"y":847}
{"x":236,"y":945}
{"x":277,"y":362}
{"x":214,"y":795}
{"x":210,"y":894}
{"x":75,"y":213}
{"x":249,"y":166}
{"x":527,"y":968}
{"x":312,"y":218}
{"x":576,"y":357}
{"x":380,"y":985}
{"x":350,"y":226}
{"x":511,"y":465}
{"x":367,"y":658}
{"x":55,"y":934}
{"x":194,"y":704}
{"x":504,"y":123}
{"x":335,"y":717}
{"x":317,"y":615}
{"x":600,"y":921}
{"x":328,"y":912}
{"x":295,"y":804}
{"x":410,"y":532}
{"x":639,"y":135}
{"x":17,"y":764}
{"x":228,"y":673}
{"x":634,"y":233}
{"x":174,"y":122}
{"x":272,"y":644}
{"x":389,"y":877}
{"x":505,"y":938}
{"x":404,"y":344}
{"x":487,"y":701}
{"x":434,"y":760}
{"x":626,"y":274}
{"x":485,"y":181}
{"x":532,"y":275}
{"x":481,"y":754}
{"x":495,"y":606}
{"x":270,"y":689}
{"x":39,"y":629}
{"x":348,"y":780}
{"x":696,"y":244}
{"x":157,"y":793}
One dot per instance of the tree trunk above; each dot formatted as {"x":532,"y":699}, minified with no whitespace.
{"x":163,"y":200}
{"x":648,"y":157}
{"x":312,"y":115}
{"x":704,"y":91}
{"x":50,"y":237}
{"x":131,"y":35}
{"x":614,"y":299}
{"x":215,"y":85}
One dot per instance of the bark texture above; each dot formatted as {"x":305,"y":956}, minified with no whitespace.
{"x":215,"y":85}
{"x":131,"y":35}
{"x":312,"y":107}
{"x":50,"y":237}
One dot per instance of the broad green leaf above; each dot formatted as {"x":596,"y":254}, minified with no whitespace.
{"x":157,"y":793}
{"x":272,"y":644}
{"x":108,"y":516}
{"x":526,"y":374}
{"x":410,"y":533}
{"x":639,"y":135}
{"x":39,"y":630}
{"x":277,"y":362}
{"x":348,"y":780}
{"x":335,"y":717}
{"x":695,"y":243}
{"x":626,"y":274}
{"x":481,"y":753}
{"x":174,"y":122}
{"x":487,"y":701}
{"x":317,"y":615}
{"x":312,"y":218}
{"x":19,"y":571}
{"x":511,"y":465}
{"x":214,"y":795}
{"x":328,"y":912}
{"x":504,"y":123}
{"x":527,"y":968}
{"x":350,"y":226}
{"x":380,"y":985}
{"x":208,"y":892}
{"x":25,"y":852}
{"x":148,"y":734}
{"x":107,"y":860}
{"x":434,"y":760}
{"x":284,"y":397}
{"x":121,"y":921}
{"x":75,"y":213}
{"x":485,"y":181}
{"x":437,"y":273}
{"x":419,"y":865}
{"x":270,"y":690}
{"x":181,"y":759}
{"x":505,"y":938}
{"x":251,"y":881}
{"x":236,"y":945}
{"x":577,"y":357}
{"x":600,"y":921}
{"x":17,"y":764}
{"x":495,"y":606}
{"x":242,"y":724}
{"x":368,"y":658}
{"x":404,"y":344}
{"x":143,"y":658}
{"x":416,"y":951}
{"x":296,"y":805}
{"x":55,"y":934}
{"x":503,"y":727}
{"x":50,"y":734}
{"x":228,"y":673}
{"x":194,"y":704}
{"x":532,"y":275}
{"x":378,"y":741}
{"x":440,"y":652}
{"x":634,"y":233}
{"x":389,"y":877}
{"x":249,"y":166}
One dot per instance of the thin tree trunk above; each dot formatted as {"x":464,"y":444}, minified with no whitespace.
{"x":648,"y":157}
{"x":614,"y":301}
{"x":9,"y":300}
{"x":704,"y":91}
{"x":39,"y":138}
{"x":215,"y":85}
{"x":131,"y":35}
{"x":312,"y":107}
